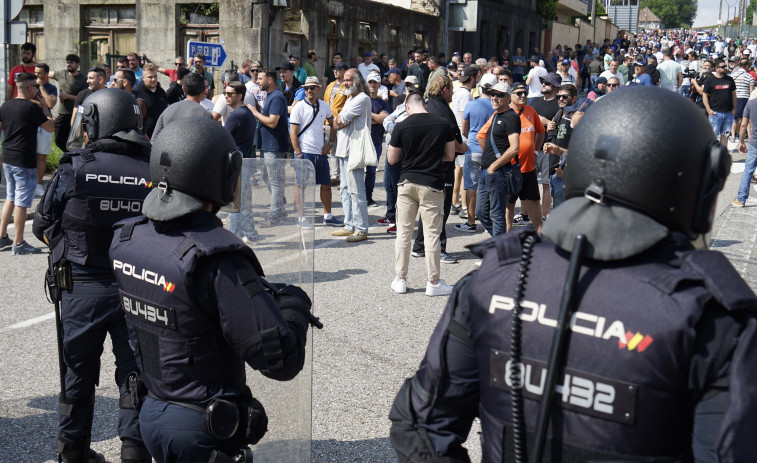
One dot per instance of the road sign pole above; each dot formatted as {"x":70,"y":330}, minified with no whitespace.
{"x":4,"y":23}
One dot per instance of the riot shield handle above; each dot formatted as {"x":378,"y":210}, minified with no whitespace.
{"x":275,"y":291}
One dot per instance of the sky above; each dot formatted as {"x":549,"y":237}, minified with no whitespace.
{"x":708,"y":10}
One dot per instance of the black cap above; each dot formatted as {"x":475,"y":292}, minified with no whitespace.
{"x":342,"y":65}
{"x":285,"y":66}
{"x":468,"y":72}
{"x":534,"y":59}
{"x":517,"y":85}
{"x":414,"y":88}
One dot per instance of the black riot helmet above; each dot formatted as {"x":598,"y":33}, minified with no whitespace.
{"x":194,"y":161}
{"x":103,"y":113}
{"x":642,"y":162}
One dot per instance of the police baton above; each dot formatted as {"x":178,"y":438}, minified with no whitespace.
{"x":312,"y":319}
{"x":559,"y":343}
{"x":53,"y":291}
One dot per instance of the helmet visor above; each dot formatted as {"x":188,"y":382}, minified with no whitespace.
{"x":76,"y":136}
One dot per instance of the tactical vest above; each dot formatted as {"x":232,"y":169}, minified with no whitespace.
{"x":107,"y":188}
{"x":179,"y":346}
{"x":624,"y":392}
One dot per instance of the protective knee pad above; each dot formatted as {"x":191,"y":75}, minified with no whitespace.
{"x":69,"y":406}
{"x":135,"y":453}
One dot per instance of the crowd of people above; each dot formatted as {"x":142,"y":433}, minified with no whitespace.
{"x":463,"y":137}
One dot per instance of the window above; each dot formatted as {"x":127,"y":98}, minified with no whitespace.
{"x":364,"y":32}
{"x":198,"y":22}
{"x":198,"y":13}
{"x":109,"y":32}
{"x":332,"y":39}
{"x":421,"y":40}
{"x":35,"y":20}
{"x":394,"y":42}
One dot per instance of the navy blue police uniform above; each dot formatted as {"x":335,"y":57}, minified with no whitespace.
{"x":197,"y":311}
{"x":680,"y":321}
{"x":659,"y":334}
{"x":92,"y":189}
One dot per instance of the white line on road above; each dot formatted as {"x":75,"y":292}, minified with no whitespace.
{"x":28,"y":323}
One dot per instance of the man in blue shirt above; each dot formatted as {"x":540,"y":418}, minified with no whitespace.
{"x":640,"y":76}
{"x":475,"y":115}
{"x":518,"y":66}
{"x":274,"y":138}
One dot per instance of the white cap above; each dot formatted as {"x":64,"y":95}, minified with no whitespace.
{"x":487,"y":79}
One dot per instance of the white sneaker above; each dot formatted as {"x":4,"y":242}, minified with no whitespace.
{"x":39,"y":190}
{"x":399,"y":286}
{"x":439,"y":289}
{"x":477,"y":264}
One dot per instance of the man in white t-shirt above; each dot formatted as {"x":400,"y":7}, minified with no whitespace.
{"x":613,"y":71}
{"x":306,"y":133}
{"x":533,"y":80}
{"x":367,"y":65}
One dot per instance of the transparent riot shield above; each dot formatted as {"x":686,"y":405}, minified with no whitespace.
{"x":275,"y":218}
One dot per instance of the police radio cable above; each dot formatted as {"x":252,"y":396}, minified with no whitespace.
{"x":516,"y":372}
{"x":559,"y":344}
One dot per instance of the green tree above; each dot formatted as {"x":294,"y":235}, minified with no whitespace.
{"x":601,"y":8}
{"x":750,"y":11}
{"x":674,"y":13}
{"x":547,"y":9}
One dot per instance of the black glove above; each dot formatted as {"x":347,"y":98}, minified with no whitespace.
{"x":290,"y":297}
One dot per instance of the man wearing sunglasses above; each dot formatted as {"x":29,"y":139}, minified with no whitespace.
{"x":179,"y":63}
{"x":719,"y":98}
{"x":640,"y":74}
{"x":501,"y":134}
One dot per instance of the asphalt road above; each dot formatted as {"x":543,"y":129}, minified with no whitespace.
{"x":373,"y":339}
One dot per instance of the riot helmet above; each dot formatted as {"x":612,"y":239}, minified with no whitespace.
{"x":193,"y":162}
{"x":102,"y":114}
{"x":642,"y":162}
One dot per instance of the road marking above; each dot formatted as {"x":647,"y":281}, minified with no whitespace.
{"x":28,"y":323}
{"x":737,"y":167}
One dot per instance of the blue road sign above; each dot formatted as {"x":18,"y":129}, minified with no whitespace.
{"x":214,"y":53}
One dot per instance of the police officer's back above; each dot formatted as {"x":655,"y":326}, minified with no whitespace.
{"x":196,"y":305}
{"x":657,"y":361}
{"x":94,"y":187}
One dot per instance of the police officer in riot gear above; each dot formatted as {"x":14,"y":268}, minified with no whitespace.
{"x":102,"y":182}
{"x":197,"y":306}
{"x":659,"y":334}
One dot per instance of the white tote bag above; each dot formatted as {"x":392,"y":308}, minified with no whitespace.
{"x":361,"y":153}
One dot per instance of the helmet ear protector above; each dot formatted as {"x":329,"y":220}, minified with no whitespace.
{"x":716,"y":169}
{"x":231,"y":173}
{"x":90,"y":121}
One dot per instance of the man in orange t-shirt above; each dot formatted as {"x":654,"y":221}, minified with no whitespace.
{"x":531,"y":138}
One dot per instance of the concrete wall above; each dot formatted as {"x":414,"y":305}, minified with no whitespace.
{"x":514,"y":24}
{"x":564,"y":34}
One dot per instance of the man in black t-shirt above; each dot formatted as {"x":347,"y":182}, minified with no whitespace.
{"x":503,"y":129}
{"x":719,"y":98}
{"x":19,"y":119}
{"x":421,"y":142}
{"x":546,"y":107}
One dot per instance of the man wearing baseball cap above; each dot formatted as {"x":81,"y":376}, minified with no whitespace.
{"x":499,"y":139}
{"x":640,"y":76}
{"x":367,"y":65}
{"x":306,"y":133}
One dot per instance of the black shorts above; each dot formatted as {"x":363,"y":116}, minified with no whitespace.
{"x":529,"y":191}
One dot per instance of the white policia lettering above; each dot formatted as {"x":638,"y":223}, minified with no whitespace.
{"x":102,"y":178}
{"x":581,"y":392}
{"x":145,"y":311}
{"x":140,"y":274}
{"x":580,"y":322}
{"x":118,"y":205}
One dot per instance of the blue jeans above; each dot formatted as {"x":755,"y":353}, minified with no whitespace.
{"x":746,"y":178}
{"x":20,"y":184}
{"x":354,"y":202}
{"x":556,"y":190}
{"x":721,"y":123}
{"x":275,"y":170}
{"x":391,"y":179}
{"x":491,"y":201}
{"x":684,"y":90}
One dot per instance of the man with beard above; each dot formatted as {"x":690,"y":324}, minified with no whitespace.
{"x":546,"y":107}
{"x":28,"y":50}
{"x":559,"y":130}
{"x":273,"y":137}
{"x":70,"y":83}
{"x":355,"y":116}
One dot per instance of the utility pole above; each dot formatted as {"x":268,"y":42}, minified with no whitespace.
{"x":720,"y":13}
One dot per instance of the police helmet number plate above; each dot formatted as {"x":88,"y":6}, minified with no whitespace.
{"x":581,"y":392}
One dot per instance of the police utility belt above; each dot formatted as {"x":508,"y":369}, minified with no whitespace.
{"x":242,"y":419}
{"x":59,"y":277}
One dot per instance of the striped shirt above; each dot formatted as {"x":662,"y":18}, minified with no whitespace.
{"x":743,"y":80}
